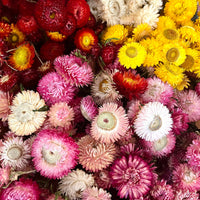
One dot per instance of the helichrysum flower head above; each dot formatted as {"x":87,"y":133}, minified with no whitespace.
{"x":157,"y":90}
{"x":153,"y":121}
{"x":15,"y":153}
{"x":131,"y":176}
{"x":61,"y":114}
{"x":110,"y":123}
{"x":132,"y":55}
{"x":53,"y":89}
{"x":95,"y":193}
{"x":23,"y":189}
{"x":54,"y":153}
{"x":75,"y":183}
{"x":74,"y":70}
{"x":186,"y":177}
{"x":25,"y":117}
{"x":95,"y":156}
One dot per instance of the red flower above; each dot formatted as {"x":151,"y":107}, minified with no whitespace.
{"x":130,"y":84}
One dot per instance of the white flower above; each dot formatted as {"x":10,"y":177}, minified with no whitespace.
{"x":15,"y":153}
{"x":112,"y":11}
{"x":75,"y":183}
{"x":25,"y":118}
{"x":153,"y":121}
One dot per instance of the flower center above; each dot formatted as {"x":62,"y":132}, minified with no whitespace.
{"x":156,"y":123}
{"x":114,"y":8}
{"x":21,"y":56}
{"x":106,"y":121}
{"x":132,"y":176}
{"x":50,"y":156}
{"x":24,"y":112}
{"x":189,"y":176}
{"x":104,"y":86}
{"x":172,"y":54}
{"x":86,"y":41}
{"x":52,"y":15}
{"x":131,"y":52}
{"x":14,"y":153}
{"x":160,"y":144}
{"x":188,"y":63}
{"x":170,"y":34}
{"x":14,"y":38}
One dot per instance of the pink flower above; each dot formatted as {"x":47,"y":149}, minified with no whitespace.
{"x":189,"y":102}
{"x":103,"y":179}
{"x":95,"y":156}
{"x":24,"y":189}
{"x":186,"y":177}
{"x":186,"y":195}
{"x":4,"y":175}
{"x":180,"y":121}
{"x":88,"y":108}
{"x":60,"y":114}
{"x":193,"y":153}
{"x":95,"y":193}
{"x":54,"y":153}
{"x":131,"y":176}
{"x":110,"y":124}
{"x":157,"y":91}
{"x":53,"y":89}
{"x":74,"y":70}
{"x":162,"y":191}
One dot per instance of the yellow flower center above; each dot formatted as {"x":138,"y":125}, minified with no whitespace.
{"x":188,"y":63}
{"x":21,"y":56}
{"x":129,"y":80}
{"x":52,"y":15}
{"x":170,"y":34}
{"x":14,"y":38}
{"x":172,"y":54}
{"x":131,"y":52}
{"x":104,"y":86}
{"x":86,"y":41}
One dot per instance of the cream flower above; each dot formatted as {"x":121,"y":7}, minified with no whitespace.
{"x":153,"y":121}
{"x":25,"y":117}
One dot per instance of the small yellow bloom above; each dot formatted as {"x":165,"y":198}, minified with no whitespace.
{"x":132,"y":55}
{"x":56,"y":36}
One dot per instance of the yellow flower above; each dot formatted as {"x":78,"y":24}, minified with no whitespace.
{"x":56,"y":36}
{"x":16,"y":36}
{"x":142,"y":31}
{"x":165,"y":22}
{"x":174,"y":53}
{"x":183,"y":84}
{"x":23,"y":57}
{"x":116,"y":34}
{"x":132,"y":55}
{"x":153,"y":50}
{"x":170,"y":73}
{"x":180,"y":10}
{"x":192,"y":60}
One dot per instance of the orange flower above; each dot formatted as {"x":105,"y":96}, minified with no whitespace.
{"x":4,"y":29}
{"x":56,"y":36}
{"x":85,"y":38}
{"x":23,"y":57}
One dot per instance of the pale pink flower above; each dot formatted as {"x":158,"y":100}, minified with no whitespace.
{"x":134,"y":107}
{"x":4,"y":175}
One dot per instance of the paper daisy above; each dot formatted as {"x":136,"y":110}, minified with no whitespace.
{"x":180,"y":11}
{"x":186,"y":194}
{"x":116,"y":34}
{"x":88,"y":108}
{"x":186,"y":177}
{"x":103,"y":90}
{"x":53,"y":89}
{"x":95,"y":156}
{"x":5,"y":102}
{"x":54,"y":153}
{"x":75,"y":183}
{"x":23,"y":189}
{"x":161,"y":147}
{"x":131,"y":176}
{"x":189,"y":101}
{"x":157,"y":90}
{"x":112,"y":10}
{"x":132,"y":55}
{"x":74,"y":70}
{"x":25,"y":117}
{"x":61,"y":114}
{"x":15,"y":153}
{"x":110,"y":124}
{"x":153,"y":121}
{"x":95,"y":193}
